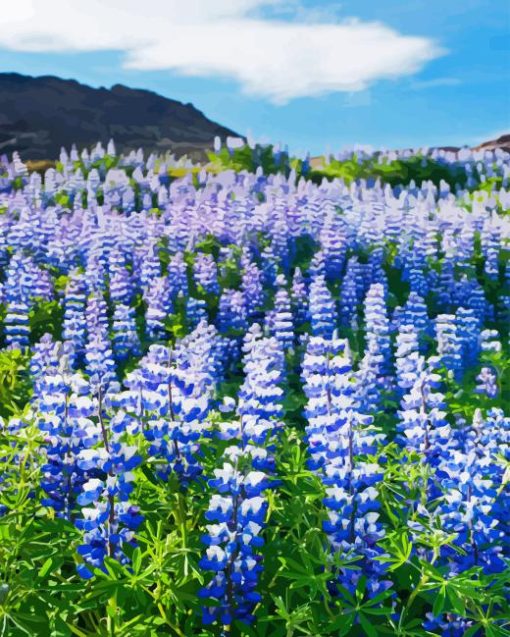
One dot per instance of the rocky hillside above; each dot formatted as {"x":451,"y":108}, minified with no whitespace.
{"x":38,"y":115}
{"x":502,"y":142}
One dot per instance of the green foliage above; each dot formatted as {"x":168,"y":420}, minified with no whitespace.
{"x":304,"y":251}
{"x":209,"y":245}
{"x":46,"y":318}
{"x":394,"y":173}
{"x":18,"y":183}
{"x":63,"y":199}
{"x":249,"y":159}
{"x":14,"y":381}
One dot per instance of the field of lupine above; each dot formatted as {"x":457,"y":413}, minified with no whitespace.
{"x":241,"y":403}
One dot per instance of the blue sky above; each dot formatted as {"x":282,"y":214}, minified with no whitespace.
{"x":317,"y":76}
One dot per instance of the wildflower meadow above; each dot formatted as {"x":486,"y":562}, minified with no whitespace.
{"x":257,"y":397}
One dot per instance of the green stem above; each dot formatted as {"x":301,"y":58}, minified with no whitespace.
{"x":111,"y":616}
{"x":175,"y":628}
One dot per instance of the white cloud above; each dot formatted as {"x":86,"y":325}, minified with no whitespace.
{"x":274,"y":59}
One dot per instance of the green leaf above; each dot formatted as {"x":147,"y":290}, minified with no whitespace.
{"x":367,"y":626}
{"x":45,"y":568}
{"x":344,"y":623}
{"x":456,"y":601}
{"x":136,"y":560}
{"x":439,"y":602}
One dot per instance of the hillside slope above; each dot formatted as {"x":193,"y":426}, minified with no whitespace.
{"x":38,"y":115}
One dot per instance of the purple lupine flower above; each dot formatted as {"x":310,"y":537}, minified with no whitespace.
{"x":252,"y":289}
{"x":205,"y":273}
{"x":99,"y":362}
{"x":299,"y":298}
{"x":159,"y":306}
{"x":232,"y":312}
{"x":177,"y":276}
{"x":121,"y":285}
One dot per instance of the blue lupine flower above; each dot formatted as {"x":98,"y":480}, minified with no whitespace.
{"x":125,"y":339}
{"x":159,"y":306}
{"x":237,"y":515}
{"x":110,"y":523}
{"x":177,"y":276}
{"x":17,"y":324}
{"x":171,"y":392}
{"x":422,"y":419}
{"x":196,"y":311}
{"x":333,"y":245}
{"x":374,"y":372}
{"x":449,"y":346}
{"x":349,"y":299}
{"x":415,"y":313}
{"x":74,"y":328}
{"x":407,"y":357}
{"x":322,"y":308}
{"x":65,"y":416}
{"x":299,"y":298}
{"x":46,"y":357}
{"x":470,"y":506}
{"x":468,"y":328}
{"x":487,"y":382}
{"x":340,"y":439}
{"x":238,"y":507}
{"x":261,"y":395}
{"x":282,"y":321}
{"x":150,"y":266}
{"x":448,"y":625}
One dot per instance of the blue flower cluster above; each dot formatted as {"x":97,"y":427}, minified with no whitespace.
{"x":238,"y":507}
{"x":343,"y":443}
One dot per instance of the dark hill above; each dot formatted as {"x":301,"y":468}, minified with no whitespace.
{"x":39,"y":115}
